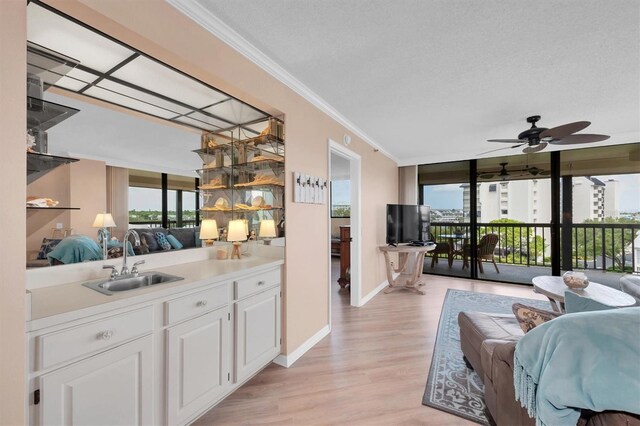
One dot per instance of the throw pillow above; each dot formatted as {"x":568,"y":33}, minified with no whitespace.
{"x":529,"y":317}
{"x":174,"y":242}
{"x":48,"y":244}
{"x":184,"y":235}
{"x":162,"y":241}
{"x":150,"y":241}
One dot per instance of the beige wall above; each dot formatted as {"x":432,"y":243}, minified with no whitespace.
{"x":12,"y":214}
{"x":118,"y":199}
{"x":81,"y":184}
{"x":144,"y":24}
{"x":55,"y":185}
{"x":88,"y":187}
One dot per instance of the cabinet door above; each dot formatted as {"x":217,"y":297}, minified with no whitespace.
{"x":112,"y":388}
{"x":197,"y":364}
{"x":257,"y":332}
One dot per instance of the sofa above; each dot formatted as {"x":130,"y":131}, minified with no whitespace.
{"x":488,"y":342}
{"x":187,"y":237}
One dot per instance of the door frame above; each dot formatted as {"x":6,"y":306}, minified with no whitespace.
{"x":355,"y":167}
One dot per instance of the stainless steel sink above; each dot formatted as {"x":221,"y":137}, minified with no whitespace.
{"x":144,"y":279}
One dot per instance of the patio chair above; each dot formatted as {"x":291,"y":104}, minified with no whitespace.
{"x":441,"y":248}
{"x":486,"y":247}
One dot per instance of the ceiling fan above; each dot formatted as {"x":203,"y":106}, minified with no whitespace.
{"x":537,"y":138}
{"x":504,"y":174}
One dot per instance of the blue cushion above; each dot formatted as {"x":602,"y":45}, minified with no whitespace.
{"x":576,"y":303}
{"x":162,"y":241}
{"x":174,"y":242}
{"x":48,"y":244}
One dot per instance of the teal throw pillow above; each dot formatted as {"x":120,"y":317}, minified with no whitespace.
{"x":174,"y":242}
{"x":162,"y":241}
{"x":576,"y":303}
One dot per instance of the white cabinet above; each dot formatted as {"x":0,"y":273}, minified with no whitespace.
{"x":197,"y":364}
{"x":112,"y":388}
{"x":257,"y":332}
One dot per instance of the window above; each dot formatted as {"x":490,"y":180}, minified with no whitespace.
{"x":145,"y":206}
{"x":341,"y":198}
{"x":492,"y":187}
{"x":504,"y":211}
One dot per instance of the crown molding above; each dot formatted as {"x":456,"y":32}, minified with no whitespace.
{"x":203,"y":17}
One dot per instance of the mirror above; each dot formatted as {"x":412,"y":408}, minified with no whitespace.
{"x":131,"y":124}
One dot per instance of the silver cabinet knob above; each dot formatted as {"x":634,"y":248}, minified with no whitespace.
{"x":261,"y":283}
{"x":105,"y":335}
{"x":201,"y":303}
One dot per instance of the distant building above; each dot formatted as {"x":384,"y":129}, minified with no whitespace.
{"x":528,"y":200}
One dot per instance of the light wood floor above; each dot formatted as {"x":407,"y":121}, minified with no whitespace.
{"x":371,"y":370}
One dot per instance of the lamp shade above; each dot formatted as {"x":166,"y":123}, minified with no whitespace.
{"x":237,"y":231}
{"x":267,"y":228}
{"x":104,"y":220}
{"x":209,"y":229}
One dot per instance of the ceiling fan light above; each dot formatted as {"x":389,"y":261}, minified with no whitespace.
{"x":535,"y":148}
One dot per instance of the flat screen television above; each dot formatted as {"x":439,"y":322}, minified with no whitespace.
{"x":407,"y":223}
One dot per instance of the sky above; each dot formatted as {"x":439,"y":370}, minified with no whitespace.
{"x":450,"y":196}
{"x":151,"y":199}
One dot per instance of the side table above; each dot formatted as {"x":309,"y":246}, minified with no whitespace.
{"x":410,"y":263}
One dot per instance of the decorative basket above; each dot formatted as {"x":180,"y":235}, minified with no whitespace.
{"x":575,"y":280}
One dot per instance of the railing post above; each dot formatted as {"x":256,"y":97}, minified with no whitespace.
{"x":604,"y":251}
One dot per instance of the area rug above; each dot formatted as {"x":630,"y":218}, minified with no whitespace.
{"x":451,"y":386}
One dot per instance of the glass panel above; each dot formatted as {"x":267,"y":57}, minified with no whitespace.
{"x":136,"y":94}
{"x":151,"y":75}
{"x":514,"y":203}
{"x":127,"y":102}
{"x":341,"y":198}
{"x":145,"y":207}
{"x":70,"y":84}
{"x":235,"y":111}
{"x":209,"y":120}
{"x":87,"y":77}
{"x":605,"y":211}
{"x":188,"y":208}
{"x":196,"y":123}
{"x":64,"y":36}
{"x":445,"y":188}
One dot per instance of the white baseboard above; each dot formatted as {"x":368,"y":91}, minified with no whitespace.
{"x":288,"y":360}
{"x":377,"y":290}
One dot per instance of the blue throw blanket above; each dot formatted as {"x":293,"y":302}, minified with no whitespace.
{"x":584,"y":360}
{"x":76,"y":248}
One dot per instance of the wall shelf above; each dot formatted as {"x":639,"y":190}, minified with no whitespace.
{"x":40,"y":164}
{"x":52,"y":208}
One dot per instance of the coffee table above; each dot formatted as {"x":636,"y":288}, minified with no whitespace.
{"x":554,"y":288}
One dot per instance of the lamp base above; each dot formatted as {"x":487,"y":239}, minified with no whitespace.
{"x":235,"y":251}
{"x":208,"y":243}
{"x":266,"y":241}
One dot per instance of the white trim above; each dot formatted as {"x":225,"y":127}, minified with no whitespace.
{"x":356,"y":218}
{"x":375,"y":291}
{"x":229,"y":36}
{"x":288,"y":360}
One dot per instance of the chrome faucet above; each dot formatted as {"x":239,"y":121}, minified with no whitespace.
{"x":125,"y":251}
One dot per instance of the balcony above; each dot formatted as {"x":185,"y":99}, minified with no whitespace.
{"x":604,"y":252}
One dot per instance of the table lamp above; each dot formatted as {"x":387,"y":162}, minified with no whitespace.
{"x":267,"y":230}
{"x":209,"y":231}
{"x":237,"y":233}
{"x":104,"y":221}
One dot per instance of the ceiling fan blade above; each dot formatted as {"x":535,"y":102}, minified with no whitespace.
{"x":582,"y":138}
{"x":535,"y":148}
{"x":507,"y":140}
{"x":486,"y":175}
{"x":500,"y":149}
{"x":565,"y":130}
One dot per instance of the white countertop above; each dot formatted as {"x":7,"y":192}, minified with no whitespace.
{"x":73,"y":300}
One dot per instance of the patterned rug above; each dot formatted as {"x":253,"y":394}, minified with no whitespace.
{"x":451,"y":386}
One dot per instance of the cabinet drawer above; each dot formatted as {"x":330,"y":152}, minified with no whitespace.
{"x":195,"y":304}
{"x":255,"y":283}
{"x":70,"y":343}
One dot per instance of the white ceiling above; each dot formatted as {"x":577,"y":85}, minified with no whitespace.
{"x":430,"y":81}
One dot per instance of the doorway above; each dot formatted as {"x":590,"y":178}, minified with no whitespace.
{"x":344,"y":211}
